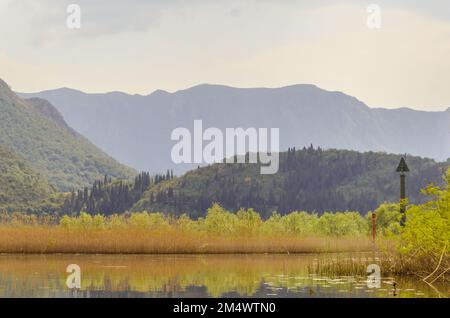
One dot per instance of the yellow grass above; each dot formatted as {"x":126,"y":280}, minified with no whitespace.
{"x":46,"y":239}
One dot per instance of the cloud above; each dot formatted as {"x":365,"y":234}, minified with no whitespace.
{"x":45,"y":20}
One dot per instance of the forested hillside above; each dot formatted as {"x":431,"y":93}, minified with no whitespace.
{"x":36,"y":131}
{"x":109,"y":196}
{"x":309,"y":180}
{"x":20,"y":186}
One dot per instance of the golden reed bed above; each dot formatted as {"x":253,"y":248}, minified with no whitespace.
{"x":56,"y":239}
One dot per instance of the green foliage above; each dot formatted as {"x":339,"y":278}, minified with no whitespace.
{"x":218,"y":220}
{"x":249,"y":221}
{"x":388,"y":219}
{"x":309,"y":179}
{"x":66,"y":159}
{"x":427,"y":228}
{"x":341,"y":224}
{"x":221,"y":222}
{"x":301,"y":223}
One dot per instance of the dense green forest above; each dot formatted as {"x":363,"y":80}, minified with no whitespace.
{"x":309,"y":180}
{"x":35,"y":131}
{"x":108,"y":197}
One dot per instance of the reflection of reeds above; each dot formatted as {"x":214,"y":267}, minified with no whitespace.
{"x":343,"y":265}
{"x":391,"y":263}
{"x":57,"y":239}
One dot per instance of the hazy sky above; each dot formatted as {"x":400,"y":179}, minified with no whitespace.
{"x":140,"y":46}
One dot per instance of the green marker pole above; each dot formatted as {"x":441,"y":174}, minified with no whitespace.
{"x":402,"y":198}
{"x":402,"y":169}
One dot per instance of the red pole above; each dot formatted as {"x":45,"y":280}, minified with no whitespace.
{"x":374,"y":227}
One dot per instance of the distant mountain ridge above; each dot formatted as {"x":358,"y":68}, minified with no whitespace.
{"x":36,"y":132}
{"x":135,"y":129}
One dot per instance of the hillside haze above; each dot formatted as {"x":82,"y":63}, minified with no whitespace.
{"x":35,"y":131}
{"x":136,"y":129}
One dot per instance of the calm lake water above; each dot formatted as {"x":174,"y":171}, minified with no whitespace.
{"x":192,"y":276}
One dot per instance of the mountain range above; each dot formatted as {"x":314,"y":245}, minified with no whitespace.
{"x":136,"y":129}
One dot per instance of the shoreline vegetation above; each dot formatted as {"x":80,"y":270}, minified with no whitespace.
{"x":420,"y":248}
{"x":220,"y":232}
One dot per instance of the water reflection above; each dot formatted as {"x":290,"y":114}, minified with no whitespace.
{"x":191,"y":276}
